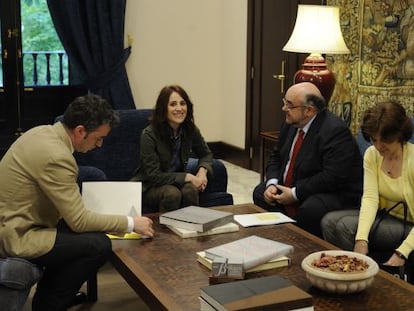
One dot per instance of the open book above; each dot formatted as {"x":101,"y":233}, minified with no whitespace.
{"x":113,"y":198}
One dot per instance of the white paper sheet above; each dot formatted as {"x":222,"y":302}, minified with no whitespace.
{"x":113,"y":197}
{"x":262,"y":219}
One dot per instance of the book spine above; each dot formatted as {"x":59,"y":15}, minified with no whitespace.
{"x":217,"y":222}
{"x":180,"y":224}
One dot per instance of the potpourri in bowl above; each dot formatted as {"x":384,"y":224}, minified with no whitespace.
{"x":340,"y":272}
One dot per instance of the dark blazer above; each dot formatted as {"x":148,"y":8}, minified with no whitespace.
{"x":156,"y":154}
{"x":329,"y":160}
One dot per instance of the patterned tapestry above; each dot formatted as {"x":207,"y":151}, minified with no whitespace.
{"x":380,"y":36}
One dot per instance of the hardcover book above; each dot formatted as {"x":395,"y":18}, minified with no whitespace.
{"x":265,"y":293}
{"x":274,"y":263}
{"x":196,"y":218}
{"x":253,"y":250}
{"x":184,"y":233}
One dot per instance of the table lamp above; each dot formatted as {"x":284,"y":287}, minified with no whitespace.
{"x":317,"y":31}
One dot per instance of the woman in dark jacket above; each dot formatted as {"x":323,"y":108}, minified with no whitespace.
{"x":166,"y":144}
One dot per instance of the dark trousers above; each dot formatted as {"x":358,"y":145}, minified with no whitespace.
{"x":169,"y":197}
{"x":310,"y":211}
{"x":74,"y":259}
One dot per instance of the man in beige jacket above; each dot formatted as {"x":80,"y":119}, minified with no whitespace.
{"x":42,"y":217}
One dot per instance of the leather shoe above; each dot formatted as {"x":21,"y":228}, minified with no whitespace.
{"x":80,"y":297}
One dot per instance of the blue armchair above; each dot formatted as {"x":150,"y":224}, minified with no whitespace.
{"x":17,"y":276}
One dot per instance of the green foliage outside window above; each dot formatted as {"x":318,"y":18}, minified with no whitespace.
{"x":39,"y":35}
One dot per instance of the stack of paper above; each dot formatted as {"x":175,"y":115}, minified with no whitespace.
{"x":262,"y":219}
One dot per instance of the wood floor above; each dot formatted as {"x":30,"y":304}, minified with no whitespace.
{"x":115,"y":294}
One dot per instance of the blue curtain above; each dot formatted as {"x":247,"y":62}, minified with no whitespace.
{"x":92,"y":33}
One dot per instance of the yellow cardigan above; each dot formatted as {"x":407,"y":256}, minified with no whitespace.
{"x":381,"y":191}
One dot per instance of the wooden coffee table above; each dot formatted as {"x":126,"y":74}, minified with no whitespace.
{"x":165,"y":273}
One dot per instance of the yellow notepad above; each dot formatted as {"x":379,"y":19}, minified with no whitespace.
{"x":126,"y":236}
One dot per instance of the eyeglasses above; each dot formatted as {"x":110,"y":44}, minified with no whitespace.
{"x":289,"y":106}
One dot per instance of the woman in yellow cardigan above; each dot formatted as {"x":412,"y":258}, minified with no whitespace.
{"x":388,"y":182}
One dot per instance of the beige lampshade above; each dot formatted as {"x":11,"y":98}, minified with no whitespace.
{"x":317,"y":30}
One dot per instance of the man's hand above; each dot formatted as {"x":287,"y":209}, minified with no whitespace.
{"x":143,"y":225}
{"x":269,"y":195}
{"x":286,"y":196}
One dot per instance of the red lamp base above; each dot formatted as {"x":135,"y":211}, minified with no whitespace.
{"x":314,"y":70}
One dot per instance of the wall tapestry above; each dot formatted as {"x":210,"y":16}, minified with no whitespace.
{"x":380,"y":36}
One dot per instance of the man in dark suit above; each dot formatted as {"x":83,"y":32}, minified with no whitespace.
{"x":327,"y":171}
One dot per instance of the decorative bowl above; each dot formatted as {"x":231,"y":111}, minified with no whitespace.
{"x":339,"y":282}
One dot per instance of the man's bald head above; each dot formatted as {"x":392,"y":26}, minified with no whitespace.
{"x":307,"y":93}
{"x":306,"y":88}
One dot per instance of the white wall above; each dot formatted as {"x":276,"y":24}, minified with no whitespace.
{"x":200,"y":45}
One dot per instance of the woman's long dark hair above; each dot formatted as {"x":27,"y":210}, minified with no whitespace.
{"x":159,"y":119}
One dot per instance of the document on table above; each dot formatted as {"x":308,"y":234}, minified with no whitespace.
{"x":262,"y":219}
{"x":114,"y":197}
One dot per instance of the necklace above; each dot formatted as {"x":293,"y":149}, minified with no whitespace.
{"x":392,"y":164}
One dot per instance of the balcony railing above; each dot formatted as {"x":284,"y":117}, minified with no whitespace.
{"x":43,"y":68}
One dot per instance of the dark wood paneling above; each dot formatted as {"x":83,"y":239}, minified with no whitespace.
{"x":230,"y":153}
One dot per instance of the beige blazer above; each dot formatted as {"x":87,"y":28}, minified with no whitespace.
{"x":37,"y":188}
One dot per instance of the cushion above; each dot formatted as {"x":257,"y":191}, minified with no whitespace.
{"x":18,"y":273}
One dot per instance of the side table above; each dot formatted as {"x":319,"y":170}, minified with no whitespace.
{"x":268,"y":141}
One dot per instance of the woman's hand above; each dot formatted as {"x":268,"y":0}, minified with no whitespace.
{"x":198,"y":182}
{"x":143,"y":225}
{"x":202,"y":175}
{"x":395,"y":261}
{"x":361,"y":247}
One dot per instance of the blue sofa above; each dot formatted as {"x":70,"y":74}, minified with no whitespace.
{"x":118,"y":158}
